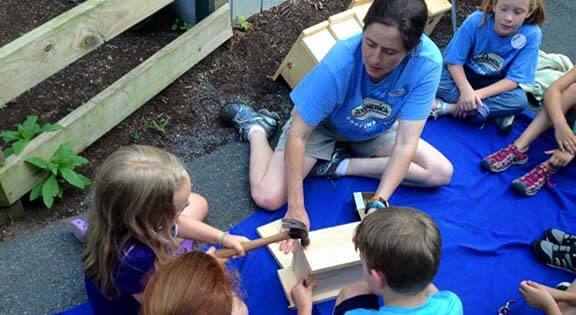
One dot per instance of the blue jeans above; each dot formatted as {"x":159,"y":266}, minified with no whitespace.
{"x":505,"y":104}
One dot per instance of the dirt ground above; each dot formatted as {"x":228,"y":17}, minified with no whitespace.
{"x":240,"y":69}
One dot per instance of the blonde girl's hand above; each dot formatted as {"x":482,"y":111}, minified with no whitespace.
{"x":565,"y":138}
{"x":537,"y":295}
{"x":560,"y":158}
{"x":220,"y":260}
{"x":235,"y":242}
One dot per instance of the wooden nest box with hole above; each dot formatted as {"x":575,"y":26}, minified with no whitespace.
{"x":315,"y":42}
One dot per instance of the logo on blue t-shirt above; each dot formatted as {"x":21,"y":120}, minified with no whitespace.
{"x":364,"y":116}
{"x":487,"y":64}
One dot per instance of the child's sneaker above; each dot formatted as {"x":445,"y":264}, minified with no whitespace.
{"x":502,"y":159}
{"x":559,"y":237}
{"x":554,"y":255}
{"x":328,"y":168}
{"x":530,"y":183}
{"x":243,"y":117}
{"x":79,"y":227}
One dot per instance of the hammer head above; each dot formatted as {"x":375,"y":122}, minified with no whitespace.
{"x":296,"y":230}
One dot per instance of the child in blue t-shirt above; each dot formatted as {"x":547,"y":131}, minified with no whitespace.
{"x":491,"y":54}
{"x":142,"y":202}
{"x":400,"y":252}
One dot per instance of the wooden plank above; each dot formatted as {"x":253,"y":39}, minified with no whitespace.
{"x":93,"y":119}
{"x":283,"y":260}
{"x":344,"y":25}
{"x":49,"y":48}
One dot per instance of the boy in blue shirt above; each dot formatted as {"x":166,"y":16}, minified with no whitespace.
{"x":400,"y":252}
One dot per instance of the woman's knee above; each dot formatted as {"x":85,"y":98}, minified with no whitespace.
{"x":269,"y":198}
{"x":441,"y":173}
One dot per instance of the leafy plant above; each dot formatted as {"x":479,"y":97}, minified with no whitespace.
{"x":59,"y":170}
{"x":24,"y":133}
{"x":160,"y":124}
{"x":135,"y":136}
{"x":319,"y":5}
{"x":179,"y":25}
{"x":242,"y":23}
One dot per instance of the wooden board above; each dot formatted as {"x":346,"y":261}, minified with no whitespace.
{"x":360,"y":200}
{"x":104,"y":111}
{"x":283,"y":260}
{"x":49,"y":48}
{"x":330,"y":259}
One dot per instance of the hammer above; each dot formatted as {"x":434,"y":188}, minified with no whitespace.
{"x":293,"y":229}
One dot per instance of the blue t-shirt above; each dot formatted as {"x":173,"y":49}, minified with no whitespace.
{"x":443,"y":302}
{"x":339,"y":91}
{"x":486,"y":53}
{"x":136,"y":262}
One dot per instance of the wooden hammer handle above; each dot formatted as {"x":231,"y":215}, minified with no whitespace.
{"x":248,"y":246}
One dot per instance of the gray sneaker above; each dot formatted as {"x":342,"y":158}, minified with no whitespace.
{"x":559,"y":237}
{"x":505,"y":123}
{"x":243,"y":117}
{"x":328,"y":168}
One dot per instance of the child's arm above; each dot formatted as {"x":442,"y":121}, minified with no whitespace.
{"x":553,"y":103}
{"x":537,"y":295}
{"x":200,"y":231}
{"x":496,"y":88}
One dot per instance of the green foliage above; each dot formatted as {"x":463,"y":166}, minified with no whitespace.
{"x":160,"y":124}
{"x":319,"y":5}
{"x":24,"y":133}
{"x":242,"y":23}
{"x":179,"y":25}
{"x":59,"y":170}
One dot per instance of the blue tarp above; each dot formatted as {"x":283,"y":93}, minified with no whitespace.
{"x":486,"y":227}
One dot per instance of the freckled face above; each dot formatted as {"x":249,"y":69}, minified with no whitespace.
{"x":382,"y":50}
{"x":509,"y":15}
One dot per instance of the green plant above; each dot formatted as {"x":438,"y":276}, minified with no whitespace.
{"x":135,"y":136}
{"x":179,"y":25}
{"x":59,"y":170}
{"x":159,"y":124}
{"x":319,"y":5}
{"x":24,"y":133}
{"x":242,"y":23}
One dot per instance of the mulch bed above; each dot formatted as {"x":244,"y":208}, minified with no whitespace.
{"x":241,"y":69}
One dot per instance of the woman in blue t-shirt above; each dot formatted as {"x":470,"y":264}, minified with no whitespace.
{"x":493,"y":52}
{"x":371,"y":94}
{"x":142,"y":202}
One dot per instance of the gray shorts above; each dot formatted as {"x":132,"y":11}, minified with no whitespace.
{"x":323,"y":139}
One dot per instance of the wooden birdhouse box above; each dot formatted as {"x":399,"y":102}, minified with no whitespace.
{"x":315,"y":42}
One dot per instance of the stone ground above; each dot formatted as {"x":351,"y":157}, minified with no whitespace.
{"x":41,"y":273}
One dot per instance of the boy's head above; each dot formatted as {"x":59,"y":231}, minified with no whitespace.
{"x":403,"y":245}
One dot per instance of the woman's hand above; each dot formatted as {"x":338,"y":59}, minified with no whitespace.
{"x":538,"y":296}
{"x":301,"y":215}
{"x":235,"y":242}
{"x":565,"y":138}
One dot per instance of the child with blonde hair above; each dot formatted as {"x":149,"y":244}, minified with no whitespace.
{"x":494,"y":51}
{"x":142,"y":203}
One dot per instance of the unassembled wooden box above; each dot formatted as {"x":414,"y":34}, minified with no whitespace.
{"x":315,"y":42}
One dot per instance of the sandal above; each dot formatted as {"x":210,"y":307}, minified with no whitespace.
{"x":79,"y":227}
{"x":439,"y":108}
